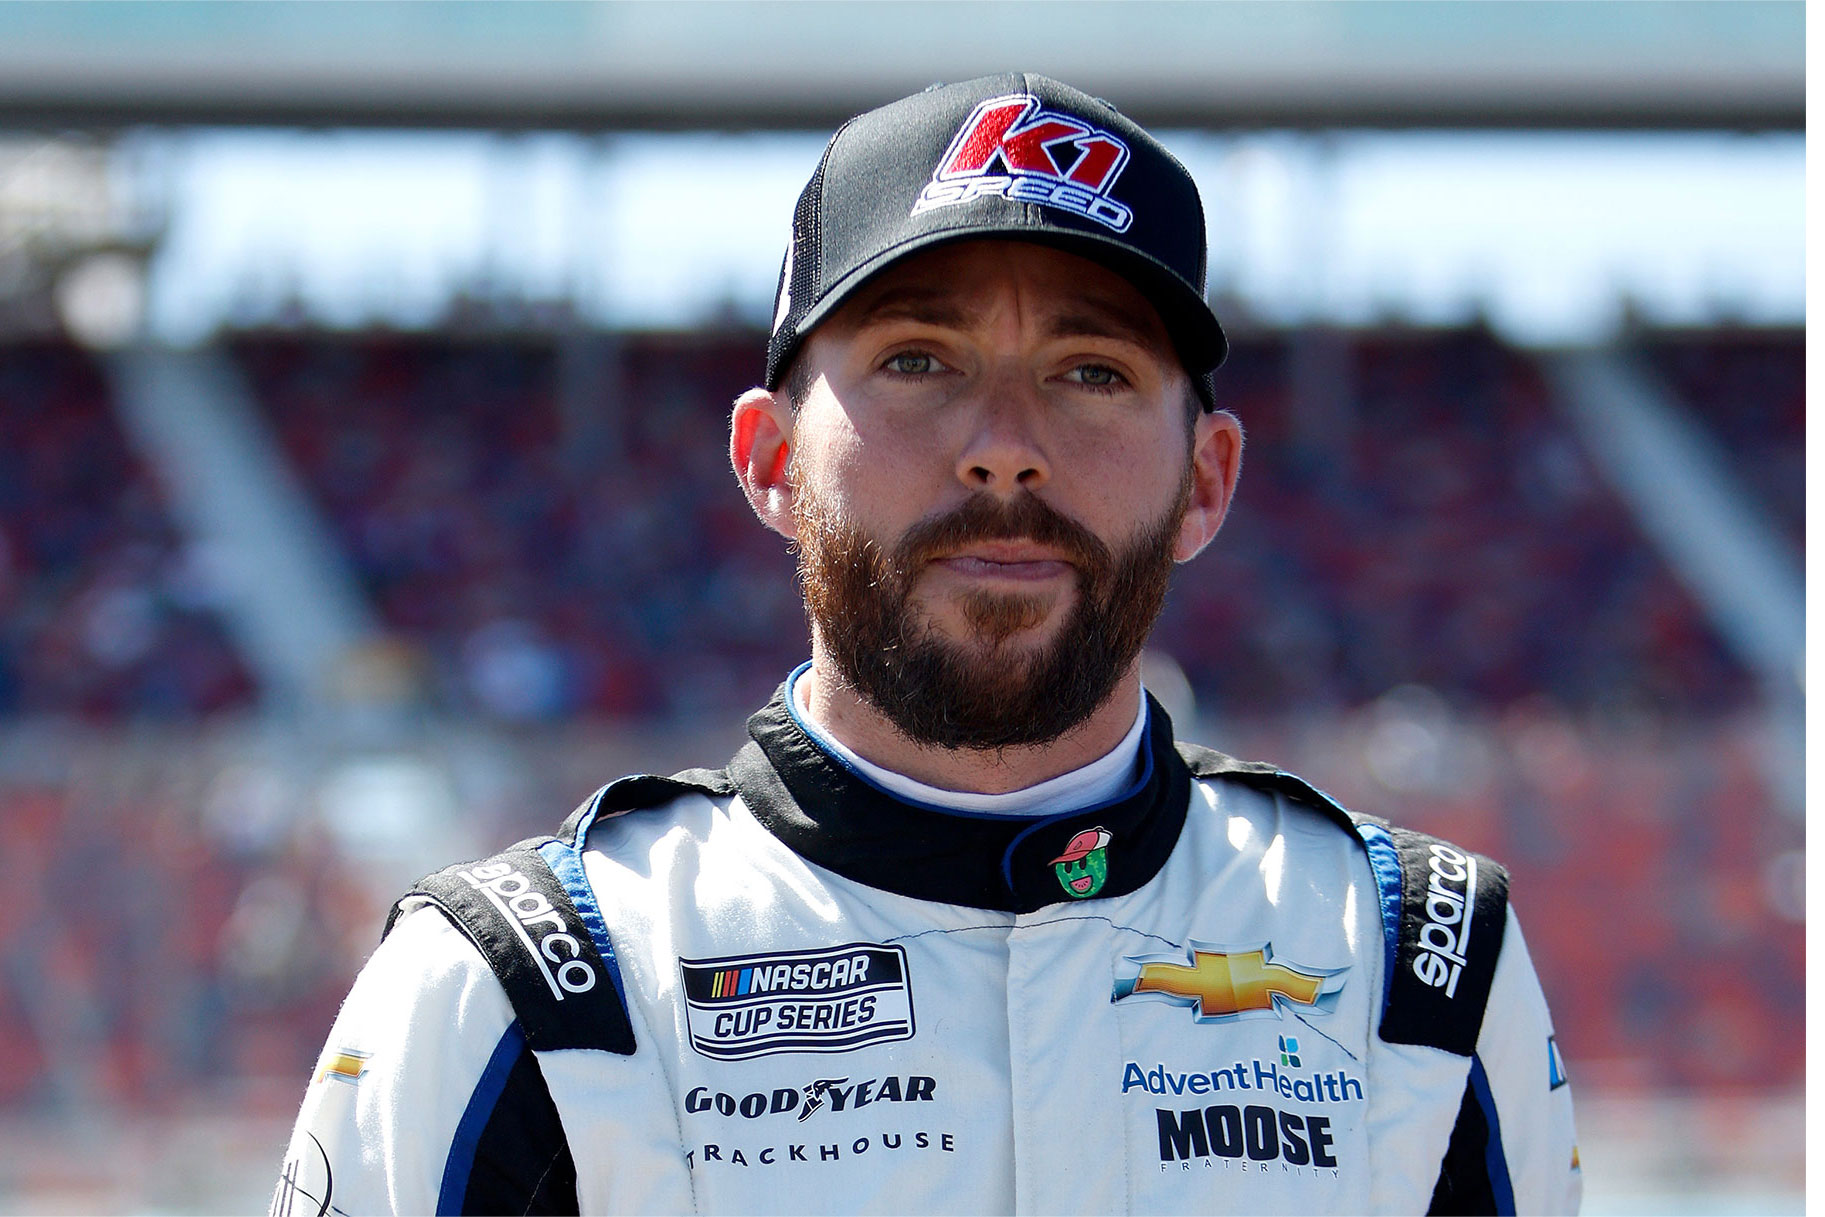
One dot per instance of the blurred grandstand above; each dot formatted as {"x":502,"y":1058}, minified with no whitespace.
{"x":289,"y":618}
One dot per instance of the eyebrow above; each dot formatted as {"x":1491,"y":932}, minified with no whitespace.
{"x":1095,"y":319}
{"x":1085,"y":318}
{"x":929,"y":306}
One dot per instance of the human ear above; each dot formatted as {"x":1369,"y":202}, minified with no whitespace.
{"x":1216,"y":461}
{"x":760,"y":449}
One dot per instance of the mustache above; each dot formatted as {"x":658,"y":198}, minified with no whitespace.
{"x":984,"y":517}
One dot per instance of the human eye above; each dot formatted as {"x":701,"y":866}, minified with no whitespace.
{"x":912,"y":363}
{"x":1099,"y":376}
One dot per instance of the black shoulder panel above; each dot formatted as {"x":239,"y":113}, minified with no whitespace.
{"x":1453,"y":916}
{"x":640,"y":791}
{"x":1209,"y":763}
{"x":519,"y":917}
{"x":1445,"y":911}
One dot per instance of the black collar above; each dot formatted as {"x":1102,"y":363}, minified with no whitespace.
{"x":840,"y":820}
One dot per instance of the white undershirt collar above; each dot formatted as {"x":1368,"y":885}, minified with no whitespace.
{"x":1099,"y":781}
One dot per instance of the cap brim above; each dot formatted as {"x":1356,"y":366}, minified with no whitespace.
{"x":1193,"y":328}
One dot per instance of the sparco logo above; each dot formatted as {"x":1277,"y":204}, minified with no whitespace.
{"x":557,"y":954}
{"x":838,"y":1094}
{"x":1044,"y":157}
{"x":833,"y":1000}
{"x":1445,"y":938}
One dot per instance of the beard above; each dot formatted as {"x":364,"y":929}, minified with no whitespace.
{"x":991,"y":692}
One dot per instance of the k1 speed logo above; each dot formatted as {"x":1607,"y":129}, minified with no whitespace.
{"x":836,"y":999}
{"x":1042,"y":157}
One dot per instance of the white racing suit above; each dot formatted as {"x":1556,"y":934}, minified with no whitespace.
{"x":776,"y":988}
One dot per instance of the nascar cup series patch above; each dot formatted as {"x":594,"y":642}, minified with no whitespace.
{"x":836,"y":999}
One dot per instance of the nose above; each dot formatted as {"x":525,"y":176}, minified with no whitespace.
{"x":1004,"y":453}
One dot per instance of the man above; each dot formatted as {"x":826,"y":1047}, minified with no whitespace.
{"x":962,"y":929}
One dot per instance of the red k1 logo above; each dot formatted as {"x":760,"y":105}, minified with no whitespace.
{"x":1010,"y":147}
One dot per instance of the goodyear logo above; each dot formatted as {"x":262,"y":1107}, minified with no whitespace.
{"x":1226,"y":985}
{"x":836,"y":999}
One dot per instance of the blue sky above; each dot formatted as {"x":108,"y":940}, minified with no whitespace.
{"x":1546,"y":233}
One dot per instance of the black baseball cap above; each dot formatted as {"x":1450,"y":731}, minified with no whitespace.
{"x":1016,"y":156}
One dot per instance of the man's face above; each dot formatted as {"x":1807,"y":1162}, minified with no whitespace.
{"x":990,"y":472}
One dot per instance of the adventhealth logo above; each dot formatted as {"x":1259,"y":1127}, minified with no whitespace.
{"x":1222,"y":985}
{"x":1337,"y":1086}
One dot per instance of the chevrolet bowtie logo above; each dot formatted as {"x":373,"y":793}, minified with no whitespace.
{"x":345,"y":1065}
{"x":1221,"y":985}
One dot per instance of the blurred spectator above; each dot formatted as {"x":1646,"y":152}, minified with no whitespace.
{"x":100,"y":616}
{"x":1748,"y":389}
{"x":1441,"y":528}
{"x":544,"y":565}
